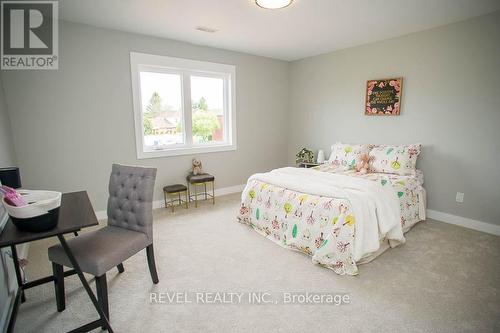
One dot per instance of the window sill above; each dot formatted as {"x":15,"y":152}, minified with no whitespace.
{"x":184,"y":151}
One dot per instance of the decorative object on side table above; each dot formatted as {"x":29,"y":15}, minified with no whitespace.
{"x":173,"y":193}
{"x":304,"y":156}
{"x":197,"y":168}
{"x":383,"y":97}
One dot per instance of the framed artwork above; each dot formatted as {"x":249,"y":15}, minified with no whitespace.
{"x":383,"y":97}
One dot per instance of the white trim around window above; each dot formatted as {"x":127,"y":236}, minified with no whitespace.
{"x":185,"y":69}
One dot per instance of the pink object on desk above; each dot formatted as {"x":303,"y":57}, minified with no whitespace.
{"x":12,"y":197}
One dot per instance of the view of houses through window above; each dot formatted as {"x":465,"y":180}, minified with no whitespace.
{"x":207,"y":103}
{"x":182,"y":106}
{"x":162,"y":109}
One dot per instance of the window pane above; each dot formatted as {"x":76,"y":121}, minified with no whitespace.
{"x":207,"y":100}
{"x":161,"y":100}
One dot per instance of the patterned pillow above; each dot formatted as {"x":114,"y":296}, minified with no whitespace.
{"x":346,"y":156}
{"x":400,"y":160}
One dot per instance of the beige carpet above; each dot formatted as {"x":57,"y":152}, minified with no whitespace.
{"x":444,"y":279}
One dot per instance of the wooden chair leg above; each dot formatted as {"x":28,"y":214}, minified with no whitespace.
{"x":58,"y":272}
{"x":151,"y":263}
{"x":120,"y":267}
{"x":102,"y":294}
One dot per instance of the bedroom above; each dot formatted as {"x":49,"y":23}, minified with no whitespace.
{"x":272,"y":90}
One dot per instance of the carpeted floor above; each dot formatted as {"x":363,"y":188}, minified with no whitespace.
{"x":444,"y":279}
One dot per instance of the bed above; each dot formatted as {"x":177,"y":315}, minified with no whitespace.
{"x":341,"y":218}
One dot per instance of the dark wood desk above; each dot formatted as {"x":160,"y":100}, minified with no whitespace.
{"x":75,"y":213}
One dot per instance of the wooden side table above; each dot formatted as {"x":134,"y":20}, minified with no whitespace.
{"x":173,"y":192}
{"x":200,"y":180}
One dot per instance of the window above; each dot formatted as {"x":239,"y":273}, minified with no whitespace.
{"x":182,"y":106}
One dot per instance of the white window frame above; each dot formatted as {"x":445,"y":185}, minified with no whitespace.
{"x":141,"y":62}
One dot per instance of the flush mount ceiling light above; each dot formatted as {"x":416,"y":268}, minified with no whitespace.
{"x":273,"y":4}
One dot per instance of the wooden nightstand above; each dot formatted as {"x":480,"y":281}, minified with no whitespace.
{"x":307,"y":165}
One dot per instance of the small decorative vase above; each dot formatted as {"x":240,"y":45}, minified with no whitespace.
{"x":321,"y":156}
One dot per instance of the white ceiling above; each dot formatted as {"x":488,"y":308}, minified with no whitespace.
{"x":306,"y":28}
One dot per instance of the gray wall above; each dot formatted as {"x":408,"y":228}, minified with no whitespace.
{"x":450,"y":103}
{"x":70,"y":125}
{"x":7,"y":156}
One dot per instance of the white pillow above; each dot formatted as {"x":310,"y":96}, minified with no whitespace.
{"x":347,"y":156}
{"x":399,"y":160}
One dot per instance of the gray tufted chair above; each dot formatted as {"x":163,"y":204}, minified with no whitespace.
{"x":129,"y":230}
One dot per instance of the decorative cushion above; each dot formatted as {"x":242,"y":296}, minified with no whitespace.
{"x":399,"y":160}
{"x":346,"y":156}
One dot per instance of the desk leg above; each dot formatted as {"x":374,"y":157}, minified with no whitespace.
{"x":76,"y":266}
{"x":18,"y":272}
{"x":12,"y":321}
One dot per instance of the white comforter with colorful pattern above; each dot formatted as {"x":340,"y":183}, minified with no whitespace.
{"x":338,"y":219}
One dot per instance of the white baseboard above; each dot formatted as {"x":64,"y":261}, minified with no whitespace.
{"x":229,"y":190}
{"x":102,"y":215}
{"x":464,"y":222}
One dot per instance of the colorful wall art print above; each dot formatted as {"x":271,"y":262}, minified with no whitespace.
{"x":383,"y":97}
